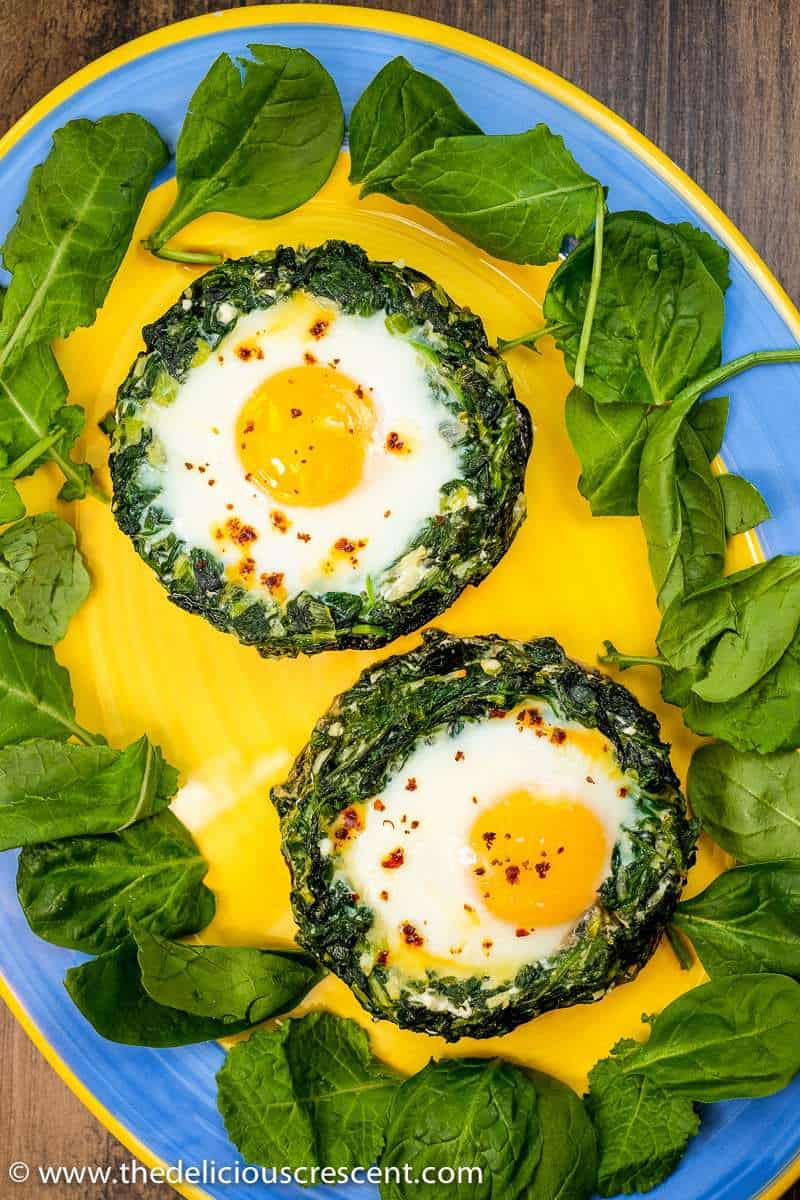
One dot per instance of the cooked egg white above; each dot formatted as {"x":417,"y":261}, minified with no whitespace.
{"x":483,"y":852}
{"x":306,"y":451}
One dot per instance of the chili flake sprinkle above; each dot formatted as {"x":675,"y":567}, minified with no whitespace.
{"x":394,"y":859}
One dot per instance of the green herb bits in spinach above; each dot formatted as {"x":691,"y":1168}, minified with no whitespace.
{"x":260,"y":138}
{"x":464,"y":1113}
{"x":83,"y":892}
{"x":747,"y":920}
{"x":432,"y":508}
{"x":308,"y":1093}
{"x":403,"y":750}
{"x":401,"y":113}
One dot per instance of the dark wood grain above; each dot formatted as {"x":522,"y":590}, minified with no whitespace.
{"x":715,"y":83}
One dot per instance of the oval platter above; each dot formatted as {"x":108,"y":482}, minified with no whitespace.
{"x":161,"y":1104}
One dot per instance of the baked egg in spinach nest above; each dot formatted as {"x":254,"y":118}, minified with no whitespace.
{"x":318,"y":451}
{"x":481,"y":830}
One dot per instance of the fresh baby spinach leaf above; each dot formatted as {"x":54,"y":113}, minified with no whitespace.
{"x":744,"y":505}
{"x":735,"y":1037}
{"x":567,"y":1169}
{"x":709,"y":418}
{"x":83,"y":892}
{"x":134,"y":785}
{"x":715,"y":257}
{"x":228,"y":983}
{"x":43,"y":580}
{"x":747,"y":919}
{"x":11,"y":504}
{"x":736,"y":629}
{"x":680,"y":506}
{"x":464,"y":1113}
{"x":308,"y":1093}
{"x":44,"y":767}
{"x":401,"y":113}
{"x":658,"y":317}
{"x":108,"y":991}
{"x":642,"y":1129}
{"x":748,"y":803}
{"x":515,"y":195}
{"x":35,"y":692}
{"x":260,"y":138}
{"x":73,"y":228}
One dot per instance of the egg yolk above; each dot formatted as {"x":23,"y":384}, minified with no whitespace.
{"x":303,"y":435}
{"x":538,"y":862}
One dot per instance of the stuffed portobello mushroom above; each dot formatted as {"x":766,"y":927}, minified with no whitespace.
{"x":316,"y":451}
{"x":481,"y":830}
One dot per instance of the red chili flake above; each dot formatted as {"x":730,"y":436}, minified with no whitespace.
{"x":202,"y":470}
{"x":355,"y":897}
{"x":189,"y":466}
{"x":394,"y":859}
{"x":507,"y":836}
{"x":489,"y":839}
{"x":410,"y":935}
{"x":211,"y":482}
{"x":497,"y":713}
{"x":384,"y":895}
{"x":341,"y":834}
{"x":220,"y":358}
{"x":529,"y":717}
{"x":379,"y":806}
{"x":394,"y":442}
{"x":474,"y":799}
{"x":541,"y":869}
{"x":351,"y":819}
{"x":415,"y":824}
{"x":360,"y":393}
{"x":245,"y":353}
{"x":246,"y":567}
{"x":522,"y":932}
{"x":249,"y":427}
{"x":229,"y":507}
{"x":309,"y":358}
{"x":589,"y":779}
{"x":239,"y":533}
{"x":388,"y":513}
{"x":403,"y":819}
{"x":383,"y":958}
{"x":560,"y":850}
{"x":279,"y":520}
{"x":319,"y":328}
{"x":344,"y":545}
{"x":304,"y":537}
{"x":622,"y":792}
{"x":459,"y":755}
{"x":480,"y":871}
{"x":512,"y":874}
{"x":468,"y":908}
{"x":411,"y":785}
{"x":558,"y":736}
{"x":273,"y":582}
{"x":487,"y":944}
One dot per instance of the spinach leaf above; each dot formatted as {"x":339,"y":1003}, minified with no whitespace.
{"x":401,"y":112}
{"x":748,"y":803}
{"x":228,"y":983}
{"x":134,"y":785}
{"x":680,"y":506}
{"x":715,"y":257}
{"x":642,"y":1129}
{"x":735,"y":630}
{"x":260,"y":138}
{"x":659,"y":312}
{"x":567,"y":1169}
{"x":108,"y":991}
{"x":43,"y":580}
{"x":35,"y":692}
{"x":41,"y":767}
{"x":515,"y":195}
{"x":465,"y":1113}
{"x":734,"y":1037}
{"x":609,"y":439}
{"x":308,"y":1093}
{"x":747,"y":920}
{"x":72,"y":230}
{"x":745,"y":507}
{"x":84,"y":892}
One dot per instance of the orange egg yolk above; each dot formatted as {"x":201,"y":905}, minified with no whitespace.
{"x":303,"y":435}
{"x":538,"y":861}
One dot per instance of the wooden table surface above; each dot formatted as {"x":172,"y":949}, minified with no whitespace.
{"x":714,"y":83}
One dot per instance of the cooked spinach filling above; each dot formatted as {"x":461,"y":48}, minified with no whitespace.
{"x":437,"y":698}
{"x":476,"y":507}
